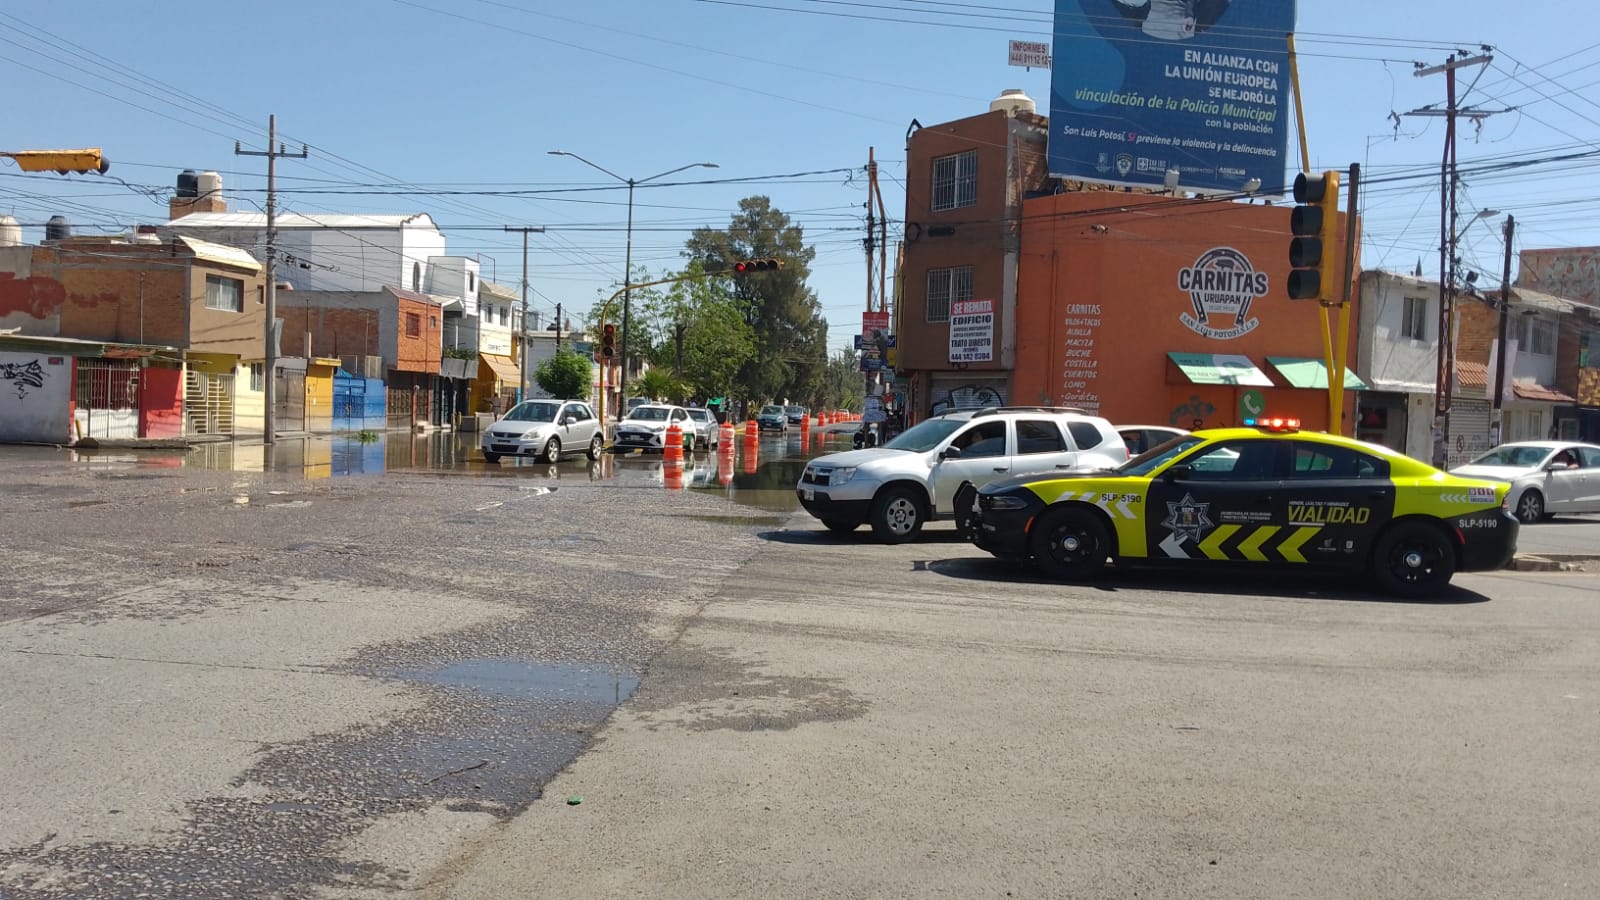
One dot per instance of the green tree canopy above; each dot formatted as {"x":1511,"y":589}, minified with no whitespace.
{"x":780,"y":309}
{"x":695,"y":328}
{"x":565,"y":375}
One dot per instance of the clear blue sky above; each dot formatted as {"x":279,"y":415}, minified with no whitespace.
{"x":470,"y":94}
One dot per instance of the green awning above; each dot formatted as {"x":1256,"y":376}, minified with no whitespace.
{"x":1312,"y":373}
{"x":1219,"y":368}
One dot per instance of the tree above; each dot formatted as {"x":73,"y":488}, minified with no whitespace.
{"x":841,"y":385}
{"x":695,"y":329}
{"x":791,"y":334}
{"x":658,"y":384}
{"x":566,"y":375}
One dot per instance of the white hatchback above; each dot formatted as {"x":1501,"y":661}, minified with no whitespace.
{"x":544,"y":429}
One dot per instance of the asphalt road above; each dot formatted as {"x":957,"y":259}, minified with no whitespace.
{"x":243,"y":682}
{"x":1575,"y":536}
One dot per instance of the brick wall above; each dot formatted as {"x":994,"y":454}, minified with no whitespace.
{"x":1477,"y":328}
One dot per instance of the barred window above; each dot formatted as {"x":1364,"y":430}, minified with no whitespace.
{"x":945,"y":286}
{"x":257,"y":381}
{"x":224,"y":293}
{"x":1535,"y":336}
{"x":413,"y":325}
{"x":955,"y":180}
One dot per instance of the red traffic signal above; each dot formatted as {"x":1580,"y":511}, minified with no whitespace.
{"x":765,"y":264}
{"x":608,"y":341}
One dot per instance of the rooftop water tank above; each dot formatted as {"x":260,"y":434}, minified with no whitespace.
{"x":57,"y":229}
{"x":1013,"y":101}
{"x":10,"y":232}
{"x":187,"y":183}
{"x":209,"y":184}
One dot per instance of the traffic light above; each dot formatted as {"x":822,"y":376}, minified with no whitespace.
{"x":766,"y":264}
{"x":1314,"y":223}
{"x":62,"y":161}
{"x":608,"y":341}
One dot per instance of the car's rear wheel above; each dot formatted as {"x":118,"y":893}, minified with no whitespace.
{"x":491,"y":458}
{"x":1413,"y":559}
{"x":596,"y":445}
{"x":1070,"y":544}
{"x":897,"y":515}
{"x":840,"y":526}
{"x":1530,"y":507}
{"x":552,"y":450}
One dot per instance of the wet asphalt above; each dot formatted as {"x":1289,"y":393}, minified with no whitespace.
{"x":509,"y":609}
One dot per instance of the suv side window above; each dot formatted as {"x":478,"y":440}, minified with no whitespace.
{"x":1039,"y":436}
{"x":1085,"y":435}
{"x":577,"y":412}
{"x":985,"y":439}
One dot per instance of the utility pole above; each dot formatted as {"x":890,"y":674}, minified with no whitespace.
{"x":1497,"y":396}
{"x":269,"y":384}
{"x":522,"y":337}
{"x":1445,"y":362}
{"x":558,"y":326}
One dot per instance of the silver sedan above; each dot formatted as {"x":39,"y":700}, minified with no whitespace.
{"x":1547,"y":477}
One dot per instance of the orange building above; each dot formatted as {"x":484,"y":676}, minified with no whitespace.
{"x":1158,"y":310}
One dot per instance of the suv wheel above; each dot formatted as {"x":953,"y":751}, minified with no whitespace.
{"x":595,"y":446}
{"x":552,"y":450}
{"x":1070,"y":544}
{"x":491,"y":458}
{"x":897,"y":515}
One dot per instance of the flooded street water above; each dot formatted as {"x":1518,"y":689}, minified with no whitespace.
{"x":764,"y":480}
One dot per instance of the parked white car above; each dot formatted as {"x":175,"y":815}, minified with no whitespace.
{"x":1140,"y":438}
{"x":706,"y":433}
{"x":1546,"y":477}
{"x":545,"y":429}
{"x":934,"y":469}
{"x":645,"y":427}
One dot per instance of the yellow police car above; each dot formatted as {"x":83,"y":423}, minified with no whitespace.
{"x":1265,"y":494}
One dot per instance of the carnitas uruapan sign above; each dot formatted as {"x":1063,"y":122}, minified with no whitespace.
{"x":1221,"y":286}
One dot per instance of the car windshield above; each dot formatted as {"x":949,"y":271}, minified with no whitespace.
{"x":533,"y":411}
{"x":926,"y":435}
{"x":648,"y":414}
{"x":1152,"y":459}
{"x":772,"y":410}
{"x":1524,"y":457}
{"x":700,"y":415}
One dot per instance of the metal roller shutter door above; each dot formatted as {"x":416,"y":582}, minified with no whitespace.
{"x":952,"y":392}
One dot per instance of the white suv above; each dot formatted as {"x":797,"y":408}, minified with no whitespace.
{"x":934,"y":470}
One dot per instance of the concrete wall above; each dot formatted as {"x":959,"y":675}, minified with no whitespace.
{"x":35,"y":398}
{"x":1384,"y":353}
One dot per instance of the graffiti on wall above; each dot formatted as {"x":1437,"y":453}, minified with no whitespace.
{"x":967,"y":396}
{"x":1192,"y":413}
{"x":23,"y":377}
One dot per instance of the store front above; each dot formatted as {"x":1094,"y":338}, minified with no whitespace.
{"x":1161,"y":311}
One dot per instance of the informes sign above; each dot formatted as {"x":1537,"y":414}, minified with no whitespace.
{"x":1029,"y":54}
{"x":1138,"y":87}
{"x":972,"y":331}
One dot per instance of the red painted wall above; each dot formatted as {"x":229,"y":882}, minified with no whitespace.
{"x":161,"y":403}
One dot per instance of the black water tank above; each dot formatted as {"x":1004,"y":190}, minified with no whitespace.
{"x":57,"y":229}
{"x":188,"y":183}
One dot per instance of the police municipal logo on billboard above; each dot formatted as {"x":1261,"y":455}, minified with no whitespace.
{"x":1221,"y":286}
{"x":1124,"y":163}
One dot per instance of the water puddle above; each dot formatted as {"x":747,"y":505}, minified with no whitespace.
{"x":523,"y":679}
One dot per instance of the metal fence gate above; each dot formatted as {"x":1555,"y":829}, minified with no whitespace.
{"x":208,"y":403}
{"x":106,"y":398}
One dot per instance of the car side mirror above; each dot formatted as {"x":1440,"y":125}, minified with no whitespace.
{"x":1177,"y":472}
{"x":951,"y":453}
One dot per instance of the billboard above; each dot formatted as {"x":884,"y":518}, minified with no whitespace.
{"x":1140,"y":87}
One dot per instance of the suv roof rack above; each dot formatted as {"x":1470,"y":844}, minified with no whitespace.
{"x":996,"y":410}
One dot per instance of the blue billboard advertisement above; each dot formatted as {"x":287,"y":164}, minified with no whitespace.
{"x":1141,"y":87}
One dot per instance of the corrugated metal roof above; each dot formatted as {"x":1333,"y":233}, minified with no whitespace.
{"x":302,"y":220}
{"x":220,"y":253}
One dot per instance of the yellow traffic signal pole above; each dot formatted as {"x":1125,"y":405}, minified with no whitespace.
{"x":1347,"y":279}
{"x":82,"y":161}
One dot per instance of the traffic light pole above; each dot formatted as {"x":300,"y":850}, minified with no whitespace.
{"x":522,"y":389}
{"x":269,"y":384}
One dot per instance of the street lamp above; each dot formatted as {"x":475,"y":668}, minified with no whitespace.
{"x":627,"y":263}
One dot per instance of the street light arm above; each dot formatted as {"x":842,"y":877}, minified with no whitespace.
{"x":700,"y":165}
{"x":589,"y":164}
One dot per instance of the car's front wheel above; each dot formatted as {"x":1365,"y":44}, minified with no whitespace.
{"x":596,"y":445}
{"x":1070,"y":544}
{"x":1413,"y":559}
{"x":1530,"y":507}
{"x":897,"y":515}
{"x":491,"y":458}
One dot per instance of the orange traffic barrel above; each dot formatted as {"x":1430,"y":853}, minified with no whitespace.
{"x":752,"y":431}
{"x":725,"y":437}
{"x":673,"y":448}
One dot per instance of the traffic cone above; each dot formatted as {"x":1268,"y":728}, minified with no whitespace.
{"x":672,"y":450}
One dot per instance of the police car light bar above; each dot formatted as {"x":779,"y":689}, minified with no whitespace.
{"x":1273,"y":424}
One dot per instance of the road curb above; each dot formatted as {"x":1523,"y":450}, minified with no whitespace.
{"x":1548,"y":562}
